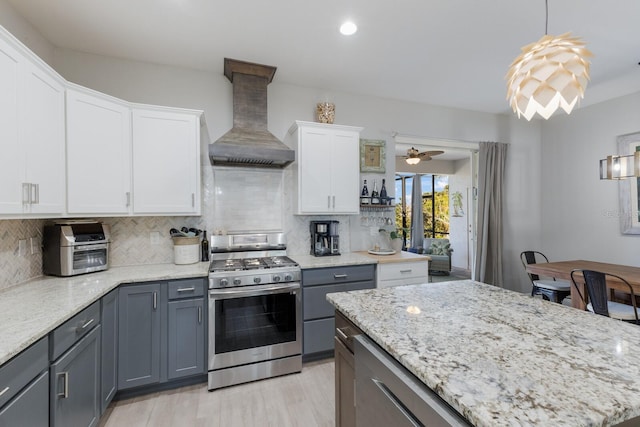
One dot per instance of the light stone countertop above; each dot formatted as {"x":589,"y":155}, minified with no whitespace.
{"x":400,"y":256}
{"x":33,"y":309}
{"x":501,"y":358}
{"x":310,"y":261}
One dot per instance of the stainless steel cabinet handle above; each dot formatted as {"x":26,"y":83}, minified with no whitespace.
{"x":6,"y":389}
{"x":342,"y":335}
{"x":37,"y":195}
{"x":406,"y":271}
{"x":199,"y":314}
{"x":26,"y":193}
{"x":155,"y":300}
{"x":81,"y":329}
{"x":328,"y":201}
{"x":334,"y":202}
{"x":128,"y":196}
{"x":193,"y":200}
{"x":408,"y":415}
{"x":65,"y":389}
{"x":340,"y":276}
{"x":186,"y":289}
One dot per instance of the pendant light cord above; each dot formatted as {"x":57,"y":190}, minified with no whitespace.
{"x":546,"y":20}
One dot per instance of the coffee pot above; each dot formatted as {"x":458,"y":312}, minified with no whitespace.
{"x":324,"y":238}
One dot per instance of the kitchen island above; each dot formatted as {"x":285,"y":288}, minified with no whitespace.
{"x":500,"y":358}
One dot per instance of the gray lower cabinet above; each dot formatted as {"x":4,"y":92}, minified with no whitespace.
{"x":318,"y":314}
{"x":24,"y":388}
{"x":75,"y":380}
{"x":186,"y":338}
{"x":139,"y":334}
{"x":109,"y":349}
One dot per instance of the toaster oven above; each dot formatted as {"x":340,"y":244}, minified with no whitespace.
{"x":75,"y":247}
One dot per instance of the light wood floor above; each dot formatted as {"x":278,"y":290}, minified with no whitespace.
{"x":304,"y":399}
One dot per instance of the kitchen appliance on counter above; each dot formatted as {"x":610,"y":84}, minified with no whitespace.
{"x":255,"y":309}
{"x":324,"y":238}
{"x":73,"y":247}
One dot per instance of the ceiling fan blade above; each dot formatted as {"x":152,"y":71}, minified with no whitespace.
{"x":431,"y":153}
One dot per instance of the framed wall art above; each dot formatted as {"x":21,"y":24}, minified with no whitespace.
{"x":372,"y":155}
{"x":628,"y":188}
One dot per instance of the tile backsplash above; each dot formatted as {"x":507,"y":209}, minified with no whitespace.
{"x":131,"y":244}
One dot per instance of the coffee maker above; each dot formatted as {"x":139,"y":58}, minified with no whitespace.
{"x":324,"y":238}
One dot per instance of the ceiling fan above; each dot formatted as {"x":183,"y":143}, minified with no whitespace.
{"x":413,"y":156}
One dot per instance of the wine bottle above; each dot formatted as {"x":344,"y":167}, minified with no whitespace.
{"x":383,"y":191}
{"x":374,"y":193}
{"x":204,"y":246}
{"x":365,"y":190}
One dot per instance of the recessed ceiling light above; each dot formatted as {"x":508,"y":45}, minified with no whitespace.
{"x":348,"y":28}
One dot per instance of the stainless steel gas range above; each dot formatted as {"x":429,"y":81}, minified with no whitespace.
{"x":255,"y":310}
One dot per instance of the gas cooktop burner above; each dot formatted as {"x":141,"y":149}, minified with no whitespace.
{"x":240,"y":264}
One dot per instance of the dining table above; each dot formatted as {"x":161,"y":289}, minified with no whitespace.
{"x":562,"y":270}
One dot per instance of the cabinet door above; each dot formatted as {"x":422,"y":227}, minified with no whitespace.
{"x":75,"y":379}
{"x":186,"y":354}
{"x":30,"y":407}
{"x":98,"y":155}
{"x":345,"y":172}
{"x":11,"y":172}
{"x":109,"y":349}
{"x":315,"y":156}
{"x":166,"y":162}
{"x":139,"y":324}
{"x":345,"y":378}
{"x":43,"y":138}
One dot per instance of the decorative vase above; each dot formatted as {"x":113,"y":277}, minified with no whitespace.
{"x":396,"y":244}
{"x":325,"y":112}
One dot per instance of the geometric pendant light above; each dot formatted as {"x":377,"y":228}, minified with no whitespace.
{"x":549,"y":74}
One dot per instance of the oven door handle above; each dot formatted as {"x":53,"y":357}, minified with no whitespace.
{"x":250,"y":291}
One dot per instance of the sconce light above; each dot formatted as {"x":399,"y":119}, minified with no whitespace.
{"x":620,"y":167}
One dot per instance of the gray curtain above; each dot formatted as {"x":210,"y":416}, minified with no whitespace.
{"x":491,"y":163}
{"x":417,"y":217}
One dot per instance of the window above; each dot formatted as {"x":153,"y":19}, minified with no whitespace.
{"x":435,"y":204}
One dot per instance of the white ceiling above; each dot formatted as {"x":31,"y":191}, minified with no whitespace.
{"x":450,"y":53}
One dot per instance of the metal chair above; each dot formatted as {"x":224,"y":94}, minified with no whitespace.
{"x":596,"y":297}
{"x":550,"y":289}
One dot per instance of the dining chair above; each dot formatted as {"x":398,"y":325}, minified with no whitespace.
{"x":550,"y":289}
{"x":596,"y":297}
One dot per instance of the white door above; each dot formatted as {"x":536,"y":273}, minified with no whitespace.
{"x":98,"y":155}
{"x":43,"y":138}
{"x":166,"y":163}
{"x":315,"y":157}
{"x":345,"y":176}
{"x":12,"y":170}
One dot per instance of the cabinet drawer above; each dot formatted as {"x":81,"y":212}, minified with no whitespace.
{"x":318,"y":336}
{"x":72,"y":330}
{"x":403,"y":270}
{"x":400,"y":282}
{"x":186,"y":288}
{"x":23,"y":368}
{"x":349,"y":273}
{"x":314,"y":299}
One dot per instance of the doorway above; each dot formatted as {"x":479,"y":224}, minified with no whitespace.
{"x":459,"y":164}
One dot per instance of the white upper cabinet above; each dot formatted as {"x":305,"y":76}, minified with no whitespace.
{"x":98,"y":154}
{"x":327,"y":170}
{"x":32,"y":134}
{"x":11,"y":172}
{"x":166,"y":161}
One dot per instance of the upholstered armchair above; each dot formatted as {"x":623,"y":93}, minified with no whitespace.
{"x":440,"y":252}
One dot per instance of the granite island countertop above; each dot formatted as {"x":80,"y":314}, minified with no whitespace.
{"x":33,"y":309}
{"x":502,"y":358}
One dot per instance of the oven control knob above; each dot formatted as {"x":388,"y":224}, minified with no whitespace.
{"x":256,"y":280}
{"x":276,"y":278}
{"x":237,"y":281}
{"x":288,"y":278}
{"x":224,"y":282}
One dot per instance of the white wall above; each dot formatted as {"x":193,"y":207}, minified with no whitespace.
{"x":211,"y":92}
{"x":579,"y":211}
